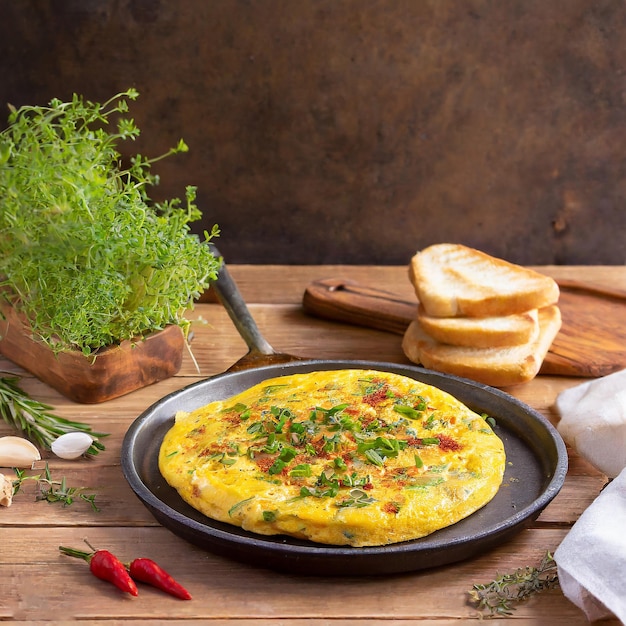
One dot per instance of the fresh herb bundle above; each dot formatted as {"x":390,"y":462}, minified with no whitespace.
{"x":499,"y":597}
{"x":54,"y":490}
{"x":36,"y":419}
{"x":84,"y":253}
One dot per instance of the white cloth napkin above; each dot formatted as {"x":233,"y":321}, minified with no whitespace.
{"x":593,"y":421}
{"x":591,"y":560}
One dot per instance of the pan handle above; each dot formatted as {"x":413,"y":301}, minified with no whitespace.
{"x":231,"y":299}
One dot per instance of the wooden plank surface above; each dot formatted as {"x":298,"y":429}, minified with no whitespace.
{"x":41,"y":585}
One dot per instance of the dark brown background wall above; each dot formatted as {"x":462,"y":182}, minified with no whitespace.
{"x":357,"y":131}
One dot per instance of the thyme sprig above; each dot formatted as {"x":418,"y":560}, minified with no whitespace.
{"x":498,"y":597}
{"x":36,"y":420}
{"x":53,"y":491}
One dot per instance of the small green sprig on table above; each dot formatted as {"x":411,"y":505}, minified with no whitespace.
{"x":498,"y":597}
{"x":54,"y":491}
{"x":36,"y":419}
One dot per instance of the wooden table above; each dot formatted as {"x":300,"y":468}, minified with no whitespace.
{"x":39,"y":584}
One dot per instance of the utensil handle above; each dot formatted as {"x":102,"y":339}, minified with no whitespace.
{"x":231,"y":299}
{"x":610,"y":292}
{"x":347,"y":301}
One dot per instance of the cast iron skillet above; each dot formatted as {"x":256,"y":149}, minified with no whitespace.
{"x":535,"y":472}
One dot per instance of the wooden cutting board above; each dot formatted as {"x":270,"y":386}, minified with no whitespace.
{"x":591,"y":342}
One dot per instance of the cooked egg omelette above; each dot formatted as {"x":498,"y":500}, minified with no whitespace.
{"x":346,"y":457}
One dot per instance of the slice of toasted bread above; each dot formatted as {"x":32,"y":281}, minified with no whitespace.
{"x":498,"y":367}
{"x":481,"y":332}
{"x":453,"y":280}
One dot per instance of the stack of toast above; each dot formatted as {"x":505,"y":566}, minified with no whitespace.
{"x":480,"y":317}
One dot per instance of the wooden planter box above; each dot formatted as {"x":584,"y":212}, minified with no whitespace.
{"x":116,"y":371}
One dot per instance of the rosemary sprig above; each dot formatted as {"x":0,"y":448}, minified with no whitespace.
{"x":54,"y":490}
{"x":36,"y":420}
{"x":496,"y":599}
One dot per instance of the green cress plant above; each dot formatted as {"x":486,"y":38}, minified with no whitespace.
{"x":84,"y":254}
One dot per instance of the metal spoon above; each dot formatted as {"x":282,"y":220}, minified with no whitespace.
{"x":260,"y":351}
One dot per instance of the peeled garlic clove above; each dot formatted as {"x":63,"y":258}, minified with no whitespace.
{"x":17,"y":452}
{"x":71,"y":445}
{"x":6,"y":490}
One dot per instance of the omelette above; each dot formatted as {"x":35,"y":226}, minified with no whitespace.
{"x":346,"y":457}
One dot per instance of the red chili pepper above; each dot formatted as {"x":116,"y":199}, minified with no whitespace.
{"x":105,"y":566}
{"x":147,"y":571}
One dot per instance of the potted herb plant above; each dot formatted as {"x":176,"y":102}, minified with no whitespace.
{"x":95,"y":277}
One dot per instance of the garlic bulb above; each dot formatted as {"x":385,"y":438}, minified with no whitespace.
{"x":71,"y":445}
{"x":17,"y":452}
{"x":6,"y":490}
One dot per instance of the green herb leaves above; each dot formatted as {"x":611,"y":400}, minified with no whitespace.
{"x":85,"y":254}
{"x":36,"y":419}
{"x":54,"y":490}
{"x":381,"y":448}
{"x":499,"y":597}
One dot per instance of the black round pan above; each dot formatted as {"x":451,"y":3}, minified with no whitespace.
{"x":536,"y":468}
{"x":535,"y":471}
